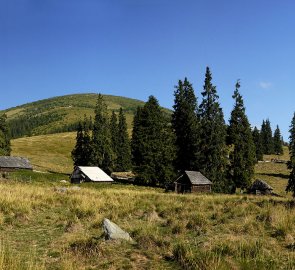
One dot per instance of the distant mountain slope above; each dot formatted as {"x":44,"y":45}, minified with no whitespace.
{"x":61,"y":114}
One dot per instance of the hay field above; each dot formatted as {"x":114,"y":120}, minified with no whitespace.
{"x":50,"y":229}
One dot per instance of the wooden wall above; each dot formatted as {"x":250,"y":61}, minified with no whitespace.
{"x":201,"y":188}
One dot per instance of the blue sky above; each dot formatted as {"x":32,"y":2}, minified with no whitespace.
{"x":136,"y":48}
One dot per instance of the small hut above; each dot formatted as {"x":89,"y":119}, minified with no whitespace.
{"x":123,"y":177}
{"x":259,"y":187}
{"x":10,"y":164}
{"x":89,"y":174}
{"x":192,"y":181}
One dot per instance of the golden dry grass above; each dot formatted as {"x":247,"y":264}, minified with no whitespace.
{"x":170,"y":231}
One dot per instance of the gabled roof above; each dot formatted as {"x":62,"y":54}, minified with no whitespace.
{"x":260,"y":185}
{"x":15,"y":162}
{"x":196,"y":178}
{"x":95,"y":174}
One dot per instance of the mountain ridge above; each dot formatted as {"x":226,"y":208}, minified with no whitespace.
{"x":62,"y":113}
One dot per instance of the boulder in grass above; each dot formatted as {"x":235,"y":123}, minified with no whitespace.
{"x":114,"y":232}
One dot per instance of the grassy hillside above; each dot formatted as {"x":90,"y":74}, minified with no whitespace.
{"x":44,"y":228}
{"x":275,"y":174}
{"x":47,"y":152}
{"x":62,"y":113}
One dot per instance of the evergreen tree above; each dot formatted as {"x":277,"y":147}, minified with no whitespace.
{"x":152,"y":145}
{"x":277,"y":141}
{"x":114,"y":136}
{"x":212,"y":144}
{"x":82,"y":152}
{"x":87,"y":142}
{"x":5,"y":148}
{"x":77,"y":153}
{"x":123,"y":147}
{"x":102,"y":155}
{"x":185,"y":124}
{"x":266,"y":137}
{"x":242,"y":158}
{"x":258,"y":144}
{"x":137,"y":139}
{"x":291,"y":164}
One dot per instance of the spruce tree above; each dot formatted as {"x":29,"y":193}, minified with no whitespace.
{"x":185,"y":124}
{"x":77,"y":153}
{"x":258,"y":144}
{"x":242,"y":158}
{"x":123,"y":148}
{"x":82,"y":151}
{"x":152,"y":145}
{"x":87,"y":142}
{"x":114,"y":136}
{"x":266,"y":137}
{"x":291,"y":164}
{"x":137,"y":139}
{"x":277,"y":141}
{"x":5,"y":148}
{"x":212,"y":159}
{"x":102,"y":155}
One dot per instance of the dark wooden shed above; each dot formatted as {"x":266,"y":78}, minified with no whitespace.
{"x":9,"y":164}
{"x":259,"y":187}
{"x":192,"y":181}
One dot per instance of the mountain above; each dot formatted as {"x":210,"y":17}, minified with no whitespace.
{"x":62,"y":114}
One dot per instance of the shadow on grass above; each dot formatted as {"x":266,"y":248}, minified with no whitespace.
{"x":281,"y":175}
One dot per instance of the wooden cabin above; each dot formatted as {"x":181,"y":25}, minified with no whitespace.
{"x":192,"y":181}
{"x":259,"y":187}
{"x":89,"y":174}
{"x":10,"y":164}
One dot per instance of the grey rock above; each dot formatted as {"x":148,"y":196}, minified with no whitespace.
{"x":75,"y":188}
{"x":61,"y":189}
{"x":114,"y":232}
{"x":64,"y":181}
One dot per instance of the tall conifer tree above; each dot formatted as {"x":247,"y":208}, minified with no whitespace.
{"x":77,"y":153}
{"x":102,"y":155}
{"x":137,"y":139}
{"x":82,"y":153}
{"x":267,"y":139}
{"x":258,"y":144}
{"x":123,"y":149}
{"x":87,"y":142}
{"x":152,"y":145}
{"x":212,"y":144}
{"x":277,"y":141}
{"x":291,"y":164}
{"x":242,"y":158}
{"x":114,"y":136}
{"x":185,"y":124}
{"x":5,"y":148}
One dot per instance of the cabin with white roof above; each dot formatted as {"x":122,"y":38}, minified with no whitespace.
{"x":89,"y":174}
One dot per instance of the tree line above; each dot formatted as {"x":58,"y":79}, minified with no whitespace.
{"x":5,"y":148}
{"x":194,"y":137}
{"x":266,"y":142}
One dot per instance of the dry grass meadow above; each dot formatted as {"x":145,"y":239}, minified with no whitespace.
{"x":43,"y":227}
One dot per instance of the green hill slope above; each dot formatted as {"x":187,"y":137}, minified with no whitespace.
{"x":47,"y":152}
{"x":61,"y":114}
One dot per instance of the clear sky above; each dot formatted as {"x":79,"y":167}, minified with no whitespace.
{"x":136,"y":48}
